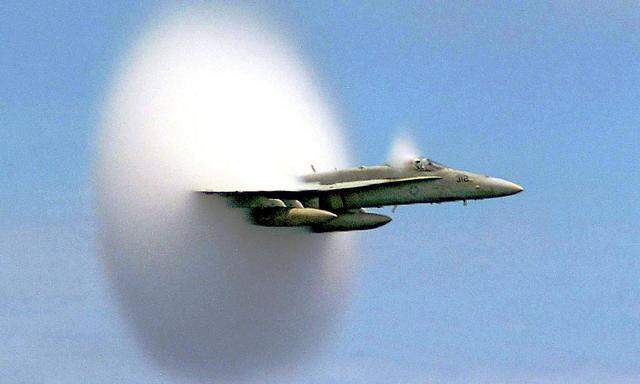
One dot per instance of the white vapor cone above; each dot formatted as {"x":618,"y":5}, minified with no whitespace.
{"x":210,"y":99}
{"x":403,"y":149}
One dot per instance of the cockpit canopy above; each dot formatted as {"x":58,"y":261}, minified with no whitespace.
{"x":424,"y":164}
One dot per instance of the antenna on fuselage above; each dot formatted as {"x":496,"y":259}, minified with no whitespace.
{"x":313,"y":168}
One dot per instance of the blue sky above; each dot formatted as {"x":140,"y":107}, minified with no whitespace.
{"x":541,"y":287}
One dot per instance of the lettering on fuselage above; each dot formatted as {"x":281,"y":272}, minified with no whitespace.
{"x":462,"y":179}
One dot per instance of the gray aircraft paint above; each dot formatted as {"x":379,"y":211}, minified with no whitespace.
{"x":345,"y":192}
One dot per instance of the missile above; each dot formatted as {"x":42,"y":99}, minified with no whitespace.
{"x":290,"y":217}
{"x":352,"y":221}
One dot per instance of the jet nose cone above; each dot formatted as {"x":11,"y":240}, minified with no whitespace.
{"x":505,"y":188}
{"x":517,"y":188}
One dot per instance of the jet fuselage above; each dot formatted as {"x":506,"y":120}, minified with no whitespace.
{"x":452,"y":185}
{"x":335,"y":201}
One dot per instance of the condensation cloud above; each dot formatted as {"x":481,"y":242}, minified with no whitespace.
{"x":403,"y":149}
{"x":213,"y":99}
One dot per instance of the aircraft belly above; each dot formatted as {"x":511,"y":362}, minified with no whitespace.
{"x":409,"y":193}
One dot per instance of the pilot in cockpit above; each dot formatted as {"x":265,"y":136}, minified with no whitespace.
{"x":424,"y":164}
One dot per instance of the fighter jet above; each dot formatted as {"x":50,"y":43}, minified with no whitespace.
{"x":335,"y":201}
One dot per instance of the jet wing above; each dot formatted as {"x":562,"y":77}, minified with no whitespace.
{"x":313,"y":189}
{"x":370,"y":183}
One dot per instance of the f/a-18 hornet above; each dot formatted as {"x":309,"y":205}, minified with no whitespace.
{"x":335,"y":201}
